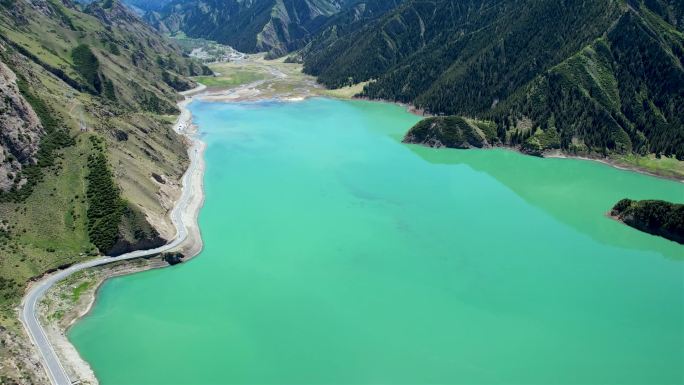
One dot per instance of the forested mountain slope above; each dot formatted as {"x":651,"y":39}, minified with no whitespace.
{"x":354,"y":17}
{"x":88,"y":160}
{"x":276,"y":26}
{"x":596,"y":75}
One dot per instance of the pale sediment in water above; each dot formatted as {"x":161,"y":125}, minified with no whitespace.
{"x":247,"y":93}
{"x":336,"y":254}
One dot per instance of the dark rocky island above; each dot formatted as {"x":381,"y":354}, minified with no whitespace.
{"x":173,"y":258}
{"x":452,"y":132}
{"x":652,"y":216}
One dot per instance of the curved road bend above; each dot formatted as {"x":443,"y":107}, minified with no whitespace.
{"x":29,"y":317}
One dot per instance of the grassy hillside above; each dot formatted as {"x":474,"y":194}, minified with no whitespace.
{"x":354,"y":17}
{"x":102,"y":87}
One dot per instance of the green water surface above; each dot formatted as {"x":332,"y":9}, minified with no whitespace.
{"x":335,"y":254}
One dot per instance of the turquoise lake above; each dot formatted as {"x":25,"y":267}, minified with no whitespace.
{"x":335,"y":254}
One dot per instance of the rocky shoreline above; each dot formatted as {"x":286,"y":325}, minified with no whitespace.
{"x":434,"y":142}
{"x":613,"y":163}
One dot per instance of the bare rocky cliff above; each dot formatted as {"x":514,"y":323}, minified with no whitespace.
{"x":20,"y":131}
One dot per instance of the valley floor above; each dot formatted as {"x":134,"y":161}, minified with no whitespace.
{"x":252,"y":77}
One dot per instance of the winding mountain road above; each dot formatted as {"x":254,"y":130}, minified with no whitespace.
{"x":29,"y":316}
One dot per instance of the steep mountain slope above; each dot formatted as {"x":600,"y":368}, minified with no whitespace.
{"x":143,"y":6}
{"x":88,"y":160}
{"x":598,"y":75}
{"x":357,"y":14}
{"x":140,"y":7}
{"x":276,"y":26}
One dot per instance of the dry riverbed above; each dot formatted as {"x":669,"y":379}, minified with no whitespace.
{"x":252,"y":77}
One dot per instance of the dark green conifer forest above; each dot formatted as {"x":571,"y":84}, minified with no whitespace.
{"x":599,"y":76}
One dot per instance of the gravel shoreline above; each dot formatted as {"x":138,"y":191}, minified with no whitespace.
{"x":57,"y":314}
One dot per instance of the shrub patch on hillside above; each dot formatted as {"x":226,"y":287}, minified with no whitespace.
{"x":105,"y":206}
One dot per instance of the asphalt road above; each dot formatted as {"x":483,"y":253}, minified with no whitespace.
{"x":29,"y":317}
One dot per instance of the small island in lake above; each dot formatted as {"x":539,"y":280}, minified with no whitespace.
{"x":452,"y":132}
{"x":652,"y":216}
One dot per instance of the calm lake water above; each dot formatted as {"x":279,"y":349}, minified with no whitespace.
{"x":335,"y":254}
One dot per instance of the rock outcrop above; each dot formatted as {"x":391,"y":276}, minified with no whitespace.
{"x":135,"y":233}
{"x":452,"y":132}
{"x":20,"y":131}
